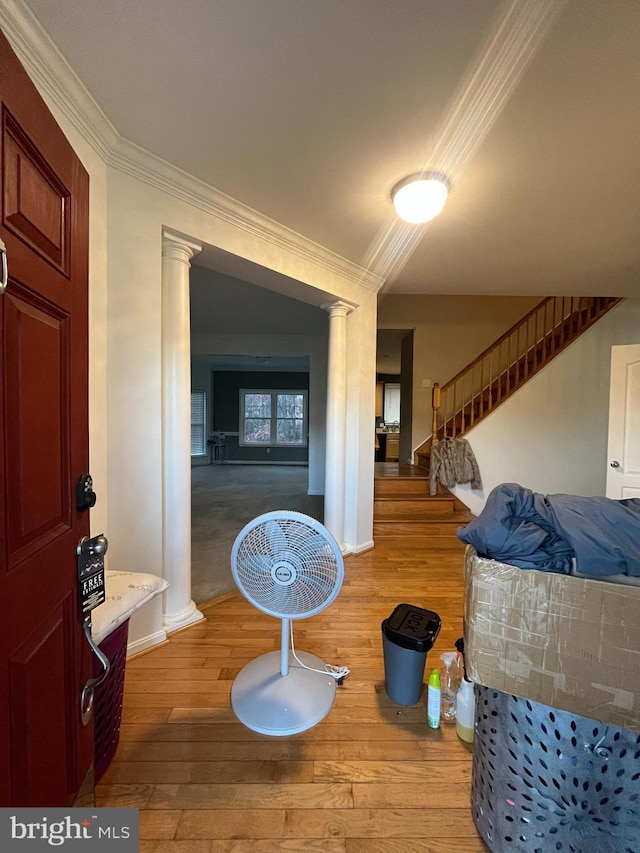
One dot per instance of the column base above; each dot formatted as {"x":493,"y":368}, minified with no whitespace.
{"x":181,"y":618}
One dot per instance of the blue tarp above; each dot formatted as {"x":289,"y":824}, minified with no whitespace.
{"x":534,"y":531}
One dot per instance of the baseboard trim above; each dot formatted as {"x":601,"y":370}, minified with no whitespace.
{"x":347,"y":550}
{"x":259,"y":462}
{"x":146,"y":643}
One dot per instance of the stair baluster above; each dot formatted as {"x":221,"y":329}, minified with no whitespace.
{"x":507,"y":364}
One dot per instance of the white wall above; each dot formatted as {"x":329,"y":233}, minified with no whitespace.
{"x":551,"y":435}
{"x":137,"y":213}
{"x":547,"y":446}
{"x":132,"y":198}
{"x":449,"y":332}
{"x":361,"y":390}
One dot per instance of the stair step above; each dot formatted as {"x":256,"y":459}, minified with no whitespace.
{"x":387,"y":487}
{"x":416,"y":507}
{"x":419,"y":527}
{"x":443,"y":540}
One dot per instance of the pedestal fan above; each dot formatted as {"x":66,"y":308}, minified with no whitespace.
{"x":289,"y":566}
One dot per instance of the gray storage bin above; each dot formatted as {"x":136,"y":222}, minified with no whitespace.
{"x":545,"y":780}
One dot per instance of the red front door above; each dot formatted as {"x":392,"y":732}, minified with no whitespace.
{"x":45,"y":751}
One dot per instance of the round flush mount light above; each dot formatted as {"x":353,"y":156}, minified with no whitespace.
{"x":419,"y":198}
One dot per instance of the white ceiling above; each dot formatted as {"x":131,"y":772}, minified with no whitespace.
{"x":310,"y":111}
{"x":221,"y":305}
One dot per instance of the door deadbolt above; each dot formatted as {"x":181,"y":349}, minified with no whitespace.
{"x":85,"y":496}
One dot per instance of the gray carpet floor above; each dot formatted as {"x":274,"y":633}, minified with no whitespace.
{"x":226,"y":497}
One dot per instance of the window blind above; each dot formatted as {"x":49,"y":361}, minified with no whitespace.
{"x":198,"y":423}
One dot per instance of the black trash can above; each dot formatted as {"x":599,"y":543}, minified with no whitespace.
{"x":407,"y":635}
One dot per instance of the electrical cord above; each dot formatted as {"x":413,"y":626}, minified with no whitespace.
{"x":337,"y":672}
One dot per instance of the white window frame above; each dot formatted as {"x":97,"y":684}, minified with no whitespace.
{"x":274,"y":392}
{"x":392,"y":402}
{"x":202,"y":395}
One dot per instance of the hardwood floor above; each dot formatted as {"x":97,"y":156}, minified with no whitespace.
{"x":370,"y":778}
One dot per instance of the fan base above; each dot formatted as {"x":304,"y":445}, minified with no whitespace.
{"x":274,"y":704}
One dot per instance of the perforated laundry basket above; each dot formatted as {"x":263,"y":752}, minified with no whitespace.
{"x":107,"y":706}
{"x":546,"y":780}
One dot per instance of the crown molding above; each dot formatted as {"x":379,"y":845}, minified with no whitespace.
{"x":61,"y":86}
{"x":139,"y":163}
{"x":54,"y":78}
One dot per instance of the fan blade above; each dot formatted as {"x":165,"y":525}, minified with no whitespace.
{"x":314,"y":546}
{"x":287,"y":564}
{"x":256,"y":574}
{"x":313,"y":543}
{"x":276,"y":537}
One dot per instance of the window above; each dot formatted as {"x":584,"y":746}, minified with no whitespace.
{"x":392,"y":402}
{"x":273,"y":418}
{"x":198,"y":423}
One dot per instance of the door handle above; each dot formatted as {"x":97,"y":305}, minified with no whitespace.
{"x":4,"y":270}
{"x":87,"y":694}
{"x":614,"y":464}
{"x":91,"y":593}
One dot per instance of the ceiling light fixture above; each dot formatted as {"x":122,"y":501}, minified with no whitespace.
{"x":419,"y":198}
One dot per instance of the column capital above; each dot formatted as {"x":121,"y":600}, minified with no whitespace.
{"x":339,"y":308}
{"x":177,"y":247}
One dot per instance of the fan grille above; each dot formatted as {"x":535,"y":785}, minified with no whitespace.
{"x":287,"y":564}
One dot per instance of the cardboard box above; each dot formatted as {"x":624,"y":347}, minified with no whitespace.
{"x":560,"y":640}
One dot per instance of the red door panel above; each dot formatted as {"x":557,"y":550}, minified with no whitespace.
{"x":37,"y":350}
{"x":39,"y":668}
{"x":35,"y":202}
{"x":45,"y":751}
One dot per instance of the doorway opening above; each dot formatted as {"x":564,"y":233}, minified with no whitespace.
{"x":249,"y":343}
{"x":394,"y":395}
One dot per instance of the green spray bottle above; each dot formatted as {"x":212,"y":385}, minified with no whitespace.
{"x":433,"y":700}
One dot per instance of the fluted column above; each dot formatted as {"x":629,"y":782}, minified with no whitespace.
{"x":177,"y":252}
{"x":334,"y":488}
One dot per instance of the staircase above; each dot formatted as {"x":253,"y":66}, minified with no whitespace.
{"x":527,"y":347}
{"x":402,"y":503}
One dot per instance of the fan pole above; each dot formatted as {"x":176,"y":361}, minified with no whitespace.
{"x":284,"y":646}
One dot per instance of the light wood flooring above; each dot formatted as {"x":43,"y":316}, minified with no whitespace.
{"x":370,"y":778}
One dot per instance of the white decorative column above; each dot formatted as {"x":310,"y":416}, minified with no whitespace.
{"x":334,"y":487}
{"x":177,"y":252}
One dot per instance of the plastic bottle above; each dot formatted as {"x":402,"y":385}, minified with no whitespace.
{"x":450,"y":677}
{"x":433,"y":700}
{"x":465,"y":711}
